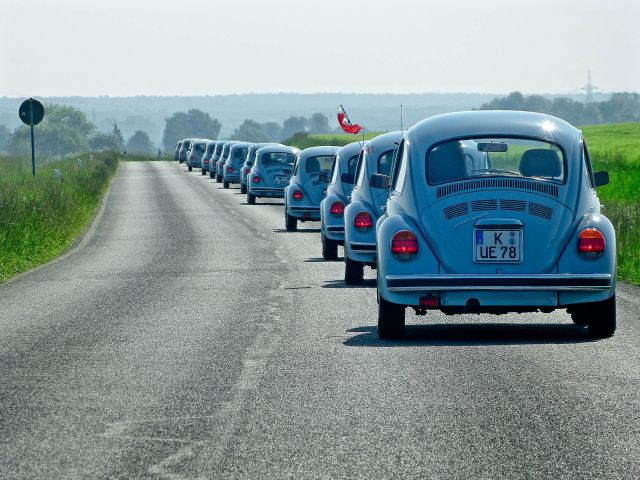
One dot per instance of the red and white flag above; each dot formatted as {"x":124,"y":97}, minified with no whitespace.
{"x":345,"y":123}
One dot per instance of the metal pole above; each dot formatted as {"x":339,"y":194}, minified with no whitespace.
{"x":33,"y":150}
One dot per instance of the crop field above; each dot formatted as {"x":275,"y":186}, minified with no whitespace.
{"x":303,"y":140}
{"x":41,"y":217}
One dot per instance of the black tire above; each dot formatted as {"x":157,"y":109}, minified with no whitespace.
{"x":204,"y":172}
{"x":243,"y":188}
{"x":225,"y":184}
{"x":579,"y":316}
{"x":211,"y":174}
{"x":602,"y":318}
{"x":329,"y":248}
{"x":190,"y":168}
{"x":390,"y":319}
{"x":218,"y":178}
{"x":353,"y":271}
{"x":251,"y":199}
{"x":291,"y":223}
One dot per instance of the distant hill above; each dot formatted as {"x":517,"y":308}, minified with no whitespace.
{"x":376,"y":112}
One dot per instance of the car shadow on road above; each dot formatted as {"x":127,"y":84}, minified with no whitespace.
{"x":299,"y":230}
{"x":322,"y":260}
{"x":473,"y":335}
{"x":368,"y":283}
{"x":262,"y":203}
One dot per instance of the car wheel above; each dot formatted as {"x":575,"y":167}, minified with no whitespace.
{"x":329,"y":248}
{"x":243,"y":188}
{"x":291,"y":223}
{"x":580,"y":316}
{"x":190,"y":168}
{"x":225,"y":184}
{"x":219,"y":178}
{"x":353,"y":271}
{"x":602,"y":318}
{"x":204,"y":172}
{"x":390,"y":319}
{"x":212,"y":175}
{"x":251,"y":199}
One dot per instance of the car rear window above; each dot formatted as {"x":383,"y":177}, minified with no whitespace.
{"x":319,"y":163}
{"x":272,"y":158}
{"x":385,"y":161}
{"x":240,"y":153}
{"x":495,"y":157}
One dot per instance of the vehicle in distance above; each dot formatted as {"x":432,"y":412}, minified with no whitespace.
{"x":177,"y":151}
{"x":306,"y":188}
{"x":184,"y":148}
{"x":194,"y":155}
{"x":495,"y":212}
{"x":206,"y":156}
{"x":223,"y":159}
{"x":337,"y":198}
{"x":213,"y":162}
{"x":270,"y":172}
{"x":233,"y":166}
{"x":248,"y":163}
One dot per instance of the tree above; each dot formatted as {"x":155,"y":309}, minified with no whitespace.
{"x":106,"y":141}
{"x":293,"y":125}
{"x":5,"y":136}
{"x":273,"y":131}
{"x":250,"y":131}
{"x":193,"y":124}
{"x":319,"y":123}
{"x":139,"y":143}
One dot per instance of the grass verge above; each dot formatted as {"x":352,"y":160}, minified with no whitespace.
{"x":42,"y":216}
{"x":305,"y":140}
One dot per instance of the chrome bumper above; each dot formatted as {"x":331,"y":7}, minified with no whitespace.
{"x":362,"y":247}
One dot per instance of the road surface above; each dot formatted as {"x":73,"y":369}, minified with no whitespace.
{"x":190,"y":336}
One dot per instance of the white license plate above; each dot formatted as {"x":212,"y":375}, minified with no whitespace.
{"x":281,"y":179}
{"x":497,"y":246}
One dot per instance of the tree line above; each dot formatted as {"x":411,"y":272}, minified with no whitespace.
{"x":621,"y":107}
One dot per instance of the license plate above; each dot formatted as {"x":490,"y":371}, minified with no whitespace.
{"x":281,"y":179}
{"x":497,"y":246}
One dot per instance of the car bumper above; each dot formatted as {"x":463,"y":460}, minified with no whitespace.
{"x":232,"y":178}
{"x":541,"y":282}
{"x":334,"y":232}
{"x":304,"y":212}
{"x":267,"y":192}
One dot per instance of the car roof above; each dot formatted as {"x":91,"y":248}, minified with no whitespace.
{"x":278,"y":148}
{"x":321,"y":150}
{"x":350,"y":149}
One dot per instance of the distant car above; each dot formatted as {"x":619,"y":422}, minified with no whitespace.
{"x":233,"y":166}
{"x":306,"y":188}
{"x":213,"y":162}
{"x":223,"y":159}
{"x":495,"y":212}
{"x":337,"y":198}
{"x":177,"y":151}
{"x":270,"y":172}
{"x":248,"y":163}
{"x":184,"y":148}
{"x":367,"y":199}
{"x":194,"y":155}
{"x":206,"y":156}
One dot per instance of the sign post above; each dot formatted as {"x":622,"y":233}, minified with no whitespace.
{"x":31,"y":113}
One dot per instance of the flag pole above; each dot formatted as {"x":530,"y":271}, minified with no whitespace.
{"x":401,"y":122}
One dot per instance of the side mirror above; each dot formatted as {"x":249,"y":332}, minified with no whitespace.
{"x":346,"y":178}
{"x":378,"y":180}
{"x":601,"y":178}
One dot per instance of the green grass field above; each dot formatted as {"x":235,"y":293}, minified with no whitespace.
{"x":303,"y":140}
{"x":41,"y":217}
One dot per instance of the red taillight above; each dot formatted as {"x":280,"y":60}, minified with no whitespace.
{"x":256,"y":179}
{"x":229,"y":169}
{"x":206,"y":161}
{"x":297,"y":195}
{"x":363,"y":221}
{"x":337,"y":209}
{"x":429,"y":301}
{"x":246,"y":171}
{"x":404,"y":245}
{"x":591,"y":242}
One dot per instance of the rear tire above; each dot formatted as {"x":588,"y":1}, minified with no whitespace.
{"x":225,"y":184}
{"x":212,"y":175}
{"x":251,"y":199}
{"x":204,"y":172}
{"x":353,"y":271}
{"x":329,"y":248}
{"x":291,"y":223}
{"x":602,"y":318}
{"x":190,"y":168}
{"x":390,"y":319}
{"x":218,"y":178}
{"x":243,"y":188}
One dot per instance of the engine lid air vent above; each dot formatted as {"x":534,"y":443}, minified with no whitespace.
{"x":482,"y":205}
{"x":457,"y":210}
{"x":540,"y":210}
{"x":513,"y":205}
{"x":511,"y":183}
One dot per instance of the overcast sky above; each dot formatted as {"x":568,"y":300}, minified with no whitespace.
{"x":208,"y":47}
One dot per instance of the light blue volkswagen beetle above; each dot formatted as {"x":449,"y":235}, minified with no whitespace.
{"x":248,"y":163}
{"x":206,"y":157}
{"x":213,"y":162}
{"x":367,"y":199}
{"x":306,"y":188}
{"x":233,"y":165}
{"x":270,"y":172}
{"x":495,"y":212}
{"x":336,"y":198}
{"x":223,"y":159}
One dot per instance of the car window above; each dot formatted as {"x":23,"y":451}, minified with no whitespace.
{"x":319,"y":163}
{"x":275,"y":158}
{"x":401,"y":167}
{"x":351,"y":165}
{"x":495,"y":157}
{"x":385,"y":161}
{"x":360,"y":169}
{"x":587,"y":164}
{"x":240,"y":153}
{"x":396,"y":167}
{"x":335,"y":171}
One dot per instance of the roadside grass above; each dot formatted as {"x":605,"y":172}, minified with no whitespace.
{"x":146,"y":158}
{"x":305,"y":140}
{"x":616,"y":148}
{"x":41,"y":217}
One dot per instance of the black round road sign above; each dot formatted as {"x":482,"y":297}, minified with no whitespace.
{"x":31,"y":112}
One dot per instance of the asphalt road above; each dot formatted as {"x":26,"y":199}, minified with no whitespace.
{"x":190,"y":336}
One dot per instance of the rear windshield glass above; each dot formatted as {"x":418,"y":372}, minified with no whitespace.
{"x":273,"y":158}
{"x":218,"y":149}
{"x":186,"y":144}
{"x":199,"y":147}
{"x":495,"y":157}
{"x":210,"y":148}
{"x":240,"y":153}
{"x":384,"y":162}
{"x":320,"y":163}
